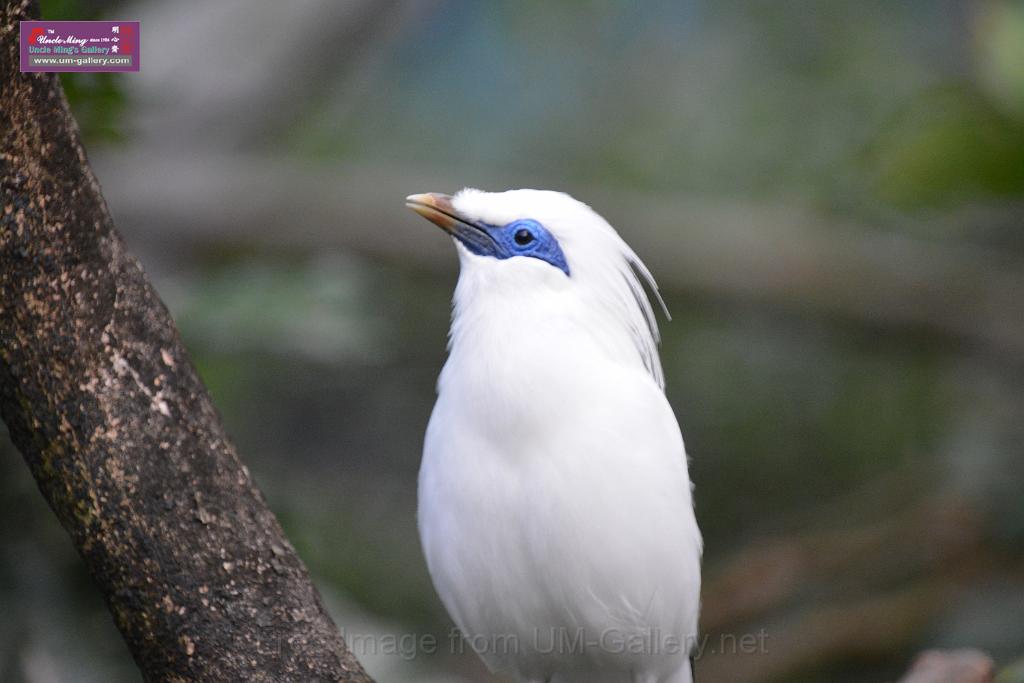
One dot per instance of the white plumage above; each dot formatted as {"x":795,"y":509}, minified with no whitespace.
{"x":555,"y":505}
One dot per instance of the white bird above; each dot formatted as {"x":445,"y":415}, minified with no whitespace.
{"x":555,"y":505}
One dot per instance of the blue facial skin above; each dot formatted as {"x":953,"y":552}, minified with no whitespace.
{"x":519,"y":238}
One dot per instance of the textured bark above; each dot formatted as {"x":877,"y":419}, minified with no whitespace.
{"x":102,"y":400}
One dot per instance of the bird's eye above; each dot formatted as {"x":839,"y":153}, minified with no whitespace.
{"x":523,"y":237}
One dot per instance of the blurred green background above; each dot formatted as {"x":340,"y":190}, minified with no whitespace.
{"x":831,"y":195}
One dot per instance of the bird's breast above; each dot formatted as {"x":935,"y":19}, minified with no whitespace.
{"x":554,"y":495}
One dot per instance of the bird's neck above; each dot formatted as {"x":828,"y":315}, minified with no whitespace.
{"x":512,"y":340}
{"x":510,"y":368}
{"x":502,"y":345}
{"x":510,"y":337}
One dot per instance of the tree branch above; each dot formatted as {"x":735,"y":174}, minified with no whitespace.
{"x":102,"y":400}
{"x":952,"y":666}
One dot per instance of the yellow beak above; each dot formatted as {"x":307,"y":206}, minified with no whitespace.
{"x":436,"y":208}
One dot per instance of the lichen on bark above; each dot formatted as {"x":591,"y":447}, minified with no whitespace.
{"x":99,"y":395}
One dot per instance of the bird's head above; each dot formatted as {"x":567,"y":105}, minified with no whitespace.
{"x":539,"y":247}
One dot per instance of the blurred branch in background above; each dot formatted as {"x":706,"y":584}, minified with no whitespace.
{"x":212,"y":186}
{"x":772,"y":254}
{"x":209,"y":98}
{"x":865,"y":605}
{"x":958,"y":666}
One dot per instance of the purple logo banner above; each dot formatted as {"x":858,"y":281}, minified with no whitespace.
{"x":79,"y":46}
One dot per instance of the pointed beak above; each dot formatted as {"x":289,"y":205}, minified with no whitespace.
{"x":436,"y":208}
